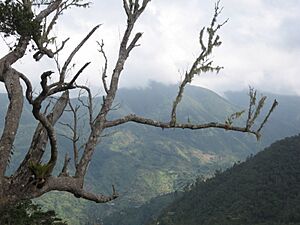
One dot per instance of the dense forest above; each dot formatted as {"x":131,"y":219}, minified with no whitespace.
{"x":28,"y":213}
{"x":264,"y":190}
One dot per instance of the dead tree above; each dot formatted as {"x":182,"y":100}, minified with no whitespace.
{"x":31,"y":22}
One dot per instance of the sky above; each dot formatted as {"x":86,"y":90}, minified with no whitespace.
{"x":261,"y":44}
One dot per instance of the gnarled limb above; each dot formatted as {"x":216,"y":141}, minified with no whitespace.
{"x":201,"y":64}
{"x":61,"y":183}
{"x":45,"y":130}
{"x":39,"y":140}
{"x":166,"y":125}
{"x":19,"y":186}
{"x":71,"y":56}
{"x":89,"y":104}
{"x":14,"y":55}
{"x":22,"y":185}
{"x":133,"y":11}
{"x":75,"y":186}
{"x":43,"y":40}
{"x":13,"y":116}
{"x":46,"y":12}
{"x":104,"y":69}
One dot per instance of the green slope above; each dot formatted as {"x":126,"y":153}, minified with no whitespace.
{"x":144,"y":214}
{"x":263,"y":190}
{"x":144,"y":162}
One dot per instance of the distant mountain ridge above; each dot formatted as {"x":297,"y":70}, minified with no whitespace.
{"x":144,"y":162}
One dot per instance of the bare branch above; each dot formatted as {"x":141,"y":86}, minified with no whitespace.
{"x":133,"y":42}
{"x":73,"y":128}
{"x":51,"y":25}
{"x":45,"y":88}
{"x":166,"y":125}
{"x":274,"y":105}
{"x":201,"y":64}
{"x":44,"y":120}
{"x":58,"y":87}
{"x":28,"y":92}
{"x":72,"y":82}
{"x":258,"y":110}
{"x":64,"y":171}
{"x":64,"y":135}
{"x":73,"y":53}
{"x":145,"y":2}
{"x":98,"y":124}
{"x":104,"y":70}
{"x":43,"y":39}
{"x":40,"y":139}
{"x":126,"y":7}
{"x":22,"y":183}
{"x":51,"y":8}
{"x":67,"y":125}
{"x":252,"y":103}
{"x":133,"y":9}
{"x":96,"y":197}
{"x":62,"y":46}
{"x":74,"y":186}
{"x":14,"y":55}
{"x":89,"y":105}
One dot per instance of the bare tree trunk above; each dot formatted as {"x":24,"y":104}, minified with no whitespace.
{"x":33,"y":178}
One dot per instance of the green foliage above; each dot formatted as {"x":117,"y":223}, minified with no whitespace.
{"x":17,"y":19}
{"x":40,"y":171}
{"x":263,"y":190}
{"x":27,"y":213}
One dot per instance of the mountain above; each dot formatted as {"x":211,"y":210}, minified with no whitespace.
{"x":144,"y":162}
{"x":261,"y":191}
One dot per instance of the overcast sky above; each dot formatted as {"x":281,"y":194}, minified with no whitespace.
{"x":261,"y":43}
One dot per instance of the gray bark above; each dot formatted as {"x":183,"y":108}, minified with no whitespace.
{"x":25,"y":183}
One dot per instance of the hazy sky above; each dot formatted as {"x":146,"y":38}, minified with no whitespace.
{"x":261,"y":43}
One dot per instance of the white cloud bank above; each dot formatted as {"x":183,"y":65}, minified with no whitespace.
{"x":261,"y":43}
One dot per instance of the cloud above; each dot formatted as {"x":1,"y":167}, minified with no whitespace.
{"x":260,"y":43}
{"x":260,"y":48}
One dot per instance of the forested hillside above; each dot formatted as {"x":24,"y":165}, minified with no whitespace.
{"x":263,"y":190}
{"x":144,"y":162}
